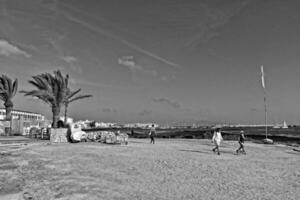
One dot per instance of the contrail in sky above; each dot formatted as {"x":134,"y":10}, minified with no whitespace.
{"x":115,"y":37}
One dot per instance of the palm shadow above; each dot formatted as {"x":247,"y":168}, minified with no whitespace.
{"x":294,"y":153}
{"x":195,"y":151}
{"x":209,"y":151}
{"x":139,"y":142}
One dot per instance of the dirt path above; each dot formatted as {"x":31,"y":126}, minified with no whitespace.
{"x":170,"y":169}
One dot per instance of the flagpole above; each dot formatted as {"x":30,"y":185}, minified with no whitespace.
{"x":266,"y":114}
{"x":265,"y":100}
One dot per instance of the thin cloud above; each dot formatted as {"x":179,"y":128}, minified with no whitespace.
{"x":213,"y":53}
{"x":76,"y":68}
{"x":216,"y":18}
{"x":119,"y":39}
{"x":8,"y":49}
{"x":168,"y":102}
{"x":103,"y":85}
{"x":145,"y":112}
{"x":109,"y":110}
{"x":92,"y":84}
{"x":69,"y":59}
{"x":167,"y":78}
{"x":130,"y":63}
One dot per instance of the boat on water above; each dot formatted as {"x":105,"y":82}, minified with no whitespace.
{"x":284,"y":125}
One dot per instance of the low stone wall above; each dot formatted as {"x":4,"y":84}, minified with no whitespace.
{"x":108,"y":137}
{"x":4,"y":127}
{"x":58,"y":135}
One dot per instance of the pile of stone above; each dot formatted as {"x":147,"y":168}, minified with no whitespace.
{"x":122,"y":138}
{"x":110,"y":137}
{"x":268,"y":141}
{"x":94,"y":136}
{"x":77,"y":135}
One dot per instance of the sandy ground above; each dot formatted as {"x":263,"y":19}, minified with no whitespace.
{"x":170,"y":169}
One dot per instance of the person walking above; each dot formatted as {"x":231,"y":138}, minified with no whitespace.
{"x":241,"y":142}
{"x":217,"y":138}
{"x":152,"y":134}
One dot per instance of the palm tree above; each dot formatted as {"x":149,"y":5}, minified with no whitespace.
{"x":8,"y":89}
{"x":51,"y":89}
{"x":71,"y":97}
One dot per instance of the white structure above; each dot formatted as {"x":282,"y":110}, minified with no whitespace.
{"x":106,"y":125}
{"x":249,"y":125}
{"x":27,"y":116}
{"x":83,"y":124}
{"x":140,"y":125}
{"x":69,"y":119}
{"x":285,"y":125}
{"x":76,"y":133}
{"x":23,"y":121}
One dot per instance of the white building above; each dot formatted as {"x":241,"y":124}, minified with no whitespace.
{"x":83,"y":124}
{"x":27,"y":116}
{"x":69,"y":119}
{"x":140,"y":125}
{"x":22,"y":121}
{"x":284,"y":125}
{"x":105,"y":124}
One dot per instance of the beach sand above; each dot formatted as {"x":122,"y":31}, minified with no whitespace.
{"x":171,"y":169}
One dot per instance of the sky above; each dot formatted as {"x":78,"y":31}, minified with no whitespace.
{"x":160,"y":61}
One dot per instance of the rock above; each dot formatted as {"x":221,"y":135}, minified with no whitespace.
{"x":268,"y":141}
{"x":27,"y":196}
{"x":58,"y":135}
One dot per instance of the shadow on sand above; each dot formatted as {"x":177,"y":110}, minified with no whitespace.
{"x":293,"y":153}
{"x":209,"y":152}
{"x":139,"y":142}
{"x":195,"y":151}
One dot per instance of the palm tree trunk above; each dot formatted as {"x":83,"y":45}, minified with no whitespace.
{"x":66,"y":111}
{"x":8,"y":109}
{"x":55,"y":116}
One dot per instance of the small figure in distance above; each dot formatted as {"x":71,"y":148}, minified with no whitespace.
{"x":217,"y":138}
{"x":241,"y":142}
{"x":152,"y":134}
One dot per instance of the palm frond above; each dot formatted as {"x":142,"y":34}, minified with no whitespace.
{"x":15,"y":87}
{"x":8,"y":88}
{"x":5,"y":82}
{"x":71,"y":94}
{"x":39,"y":82}
{"x":80,"y":97}
{"x":51,"y":89}
{"x":3,"y":96}
{"x":40,"y":94}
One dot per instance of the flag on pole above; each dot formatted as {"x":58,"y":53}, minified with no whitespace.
{"x":262,"y":77}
